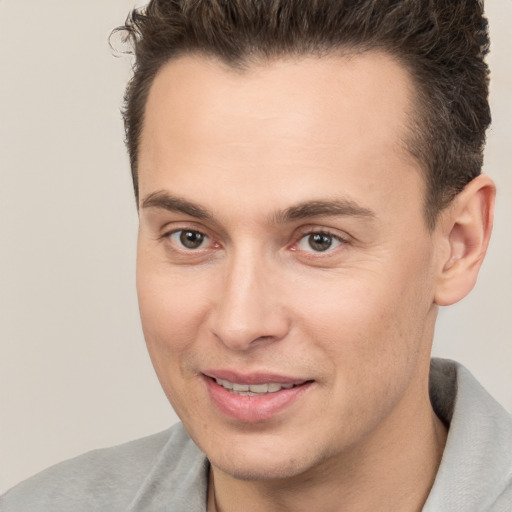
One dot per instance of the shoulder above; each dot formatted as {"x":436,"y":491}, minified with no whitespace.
{"x":476,"y":467}
{"x":105,"y":479}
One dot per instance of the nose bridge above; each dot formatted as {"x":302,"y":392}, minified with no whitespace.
{"x":247,"y":309}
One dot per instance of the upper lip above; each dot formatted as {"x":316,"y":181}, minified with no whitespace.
{"x":257,"y":377}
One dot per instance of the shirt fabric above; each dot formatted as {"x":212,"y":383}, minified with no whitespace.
{"x":167,"y":472}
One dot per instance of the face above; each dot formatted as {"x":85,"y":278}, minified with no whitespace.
{"x":285,"y":272}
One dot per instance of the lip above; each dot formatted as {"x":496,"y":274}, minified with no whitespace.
{"x":253,"y":409}
{"x":253,"y":377}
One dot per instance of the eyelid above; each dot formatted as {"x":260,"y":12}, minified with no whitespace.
{"x":342,"y":237}
{"x":312,"y":230}
{"x":175,"y":238}
{"x":175,"y":227}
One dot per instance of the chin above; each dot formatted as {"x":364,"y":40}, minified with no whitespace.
{"x":251,"y":470}
{"x":259,"y":462}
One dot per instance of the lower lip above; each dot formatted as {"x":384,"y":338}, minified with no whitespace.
{"x":253,"y":409}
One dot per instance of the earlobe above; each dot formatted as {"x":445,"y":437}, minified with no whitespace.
{"x":467,"y":226}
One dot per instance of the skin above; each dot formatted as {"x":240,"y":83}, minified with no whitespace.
{"x":245,"y":149}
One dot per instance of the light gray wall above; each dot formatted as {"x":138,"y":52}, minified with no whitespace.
{"x":74,"y":374}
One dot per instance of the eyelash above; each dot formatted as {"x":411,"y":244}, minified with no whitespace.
{"x":307,"y":252}
{"x":323,"y":233}
{"x":169,"y":234}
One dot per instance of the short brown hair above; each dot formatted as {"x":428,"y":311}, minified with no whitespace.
{"x":442,"y":44}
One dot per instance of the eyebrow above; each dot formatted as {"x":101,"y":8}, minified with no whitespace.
{"x":331,"y":208}
{"x":171,"y":203}
{"x":304,"y":210}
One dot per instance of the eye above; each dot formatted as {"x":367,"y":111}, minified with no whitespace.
{"x":189,"y":239}
{"x":318,"y":242}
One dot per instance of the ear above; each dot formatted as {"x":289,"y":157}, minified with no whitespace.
{"x":466,"y":227}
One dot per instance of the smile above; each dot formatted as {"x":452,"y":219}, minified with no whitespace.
{"x":262,"y":398}
{"x":253,"y":389}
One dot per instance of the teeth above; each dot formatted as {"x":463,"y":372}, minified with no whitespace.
{"x":225,"y":383}
{"x":240,"y":387}
{"x":262,"y":388}
{"x":252,"y":389}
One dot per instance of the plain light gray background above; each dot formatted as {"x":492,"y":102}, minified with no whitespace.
{"x":74,"y":373}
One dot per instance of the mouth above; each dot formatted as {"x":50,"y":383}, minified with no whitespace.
{"x":254,"y":398}
{"x":254,"y":389}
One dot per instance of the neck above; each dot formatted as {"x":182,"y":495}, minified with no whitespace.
{"x":394,"y":469}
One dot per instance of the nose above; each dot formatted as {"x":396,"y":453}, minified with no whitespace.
{"x":248,"y":309}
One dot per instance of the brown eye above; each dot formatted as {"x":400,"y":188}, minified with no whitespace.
{"x":188,"y":238}
{"x":320,"y":241}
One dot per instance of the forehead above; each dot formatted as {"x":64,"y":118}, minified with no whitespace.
{"x":307,"y":120}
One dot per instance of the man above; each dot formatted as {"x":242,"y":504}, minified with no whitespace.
{"x":308,"y":180}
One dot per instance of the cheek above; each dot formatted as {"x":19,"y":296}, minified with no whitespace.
{"x":374,"y":321}
{"x":172,"y":310}
{"x":172,"y":314}
{"x":370,"y":340}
